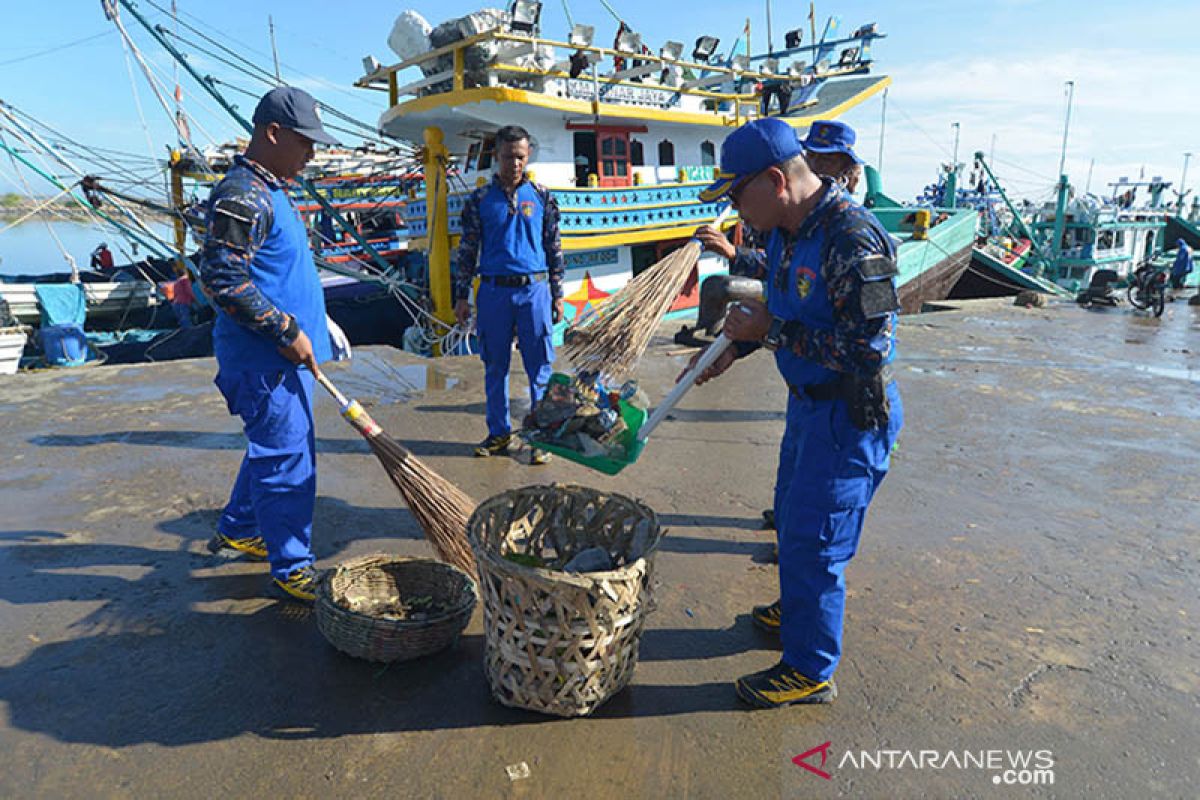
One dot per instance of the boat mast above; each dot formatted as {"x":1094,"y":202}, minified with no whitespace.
{"x":1087,"y":187}
{"x":1060,"y":209}
{"x":770,"y":42}
{"x":1182,"y":183}
{"x":274,"y":49}
{"x":950,"y":196}
{"x":882,"y":130}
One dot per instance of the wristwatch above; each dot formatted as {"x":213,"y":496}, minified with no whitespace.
{"x":291,"y":331}
{"x":774,"y":338}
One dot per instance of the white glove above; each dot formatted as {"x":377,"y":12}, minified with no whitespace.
{"x":338,"y":340}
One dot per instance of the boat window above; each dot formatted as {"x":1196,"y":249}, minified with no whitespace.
{"x":487,"y":152}
{"x":472,"y":154}
{"x":666,"y":154}
{"x":708,"y":154}
{"x":636,"y":156}
{"x":1105,"y":240}
{"x":1120,"y":240}
{"x":606,"y":146}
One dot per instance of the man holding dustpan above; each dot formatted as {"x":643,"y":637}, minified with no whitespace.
{"x":830,"y":319}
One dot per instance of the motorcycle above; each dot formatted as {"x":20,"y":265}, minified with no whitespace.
{"x":1148,"y":290}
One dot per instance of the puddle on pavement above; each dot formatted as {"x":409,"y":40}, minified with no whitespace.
{"x":374,"y":380}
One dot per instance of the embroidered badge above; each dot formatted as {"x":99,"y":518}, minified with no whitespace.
{"x":804,"y":281}
{"x":527,"y":208}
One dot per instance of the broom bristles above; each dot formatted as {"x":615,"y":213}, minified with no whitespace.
{"x":440,"y":508}
{"x":612,"y":339}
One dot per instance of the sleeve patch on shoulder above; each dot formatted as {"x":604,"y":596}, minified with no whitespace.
{"x":879,"y":298}
{"x":233,"y":222}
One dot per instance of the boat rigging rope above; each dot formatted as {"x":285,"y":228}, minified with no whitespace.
{"x":29,"y":191}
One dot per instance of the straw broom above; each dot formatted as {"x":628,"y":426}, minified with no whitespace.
{"x":441,"y":508}
{"x":612,"y":339}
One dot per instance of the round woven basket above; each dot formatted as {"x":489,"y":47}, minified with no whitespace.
{"x":380,"y":579}
{"x":560,"y":642}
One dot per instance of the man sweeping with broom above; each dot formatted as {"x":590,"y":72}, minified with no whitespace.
{"x":830,"y":318}
{"x":269,"y":337}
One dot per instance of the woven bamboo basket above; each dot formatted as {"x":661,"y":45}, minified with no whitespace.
{"x":559,"y":642}
{"x":379,"y":579}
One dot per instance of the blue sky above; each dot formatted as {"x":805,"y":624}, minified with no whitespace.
{"x":997,"y":68}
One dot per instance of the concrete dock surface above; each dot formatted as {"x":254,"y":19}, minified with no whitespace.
{"x":1027,"y":581}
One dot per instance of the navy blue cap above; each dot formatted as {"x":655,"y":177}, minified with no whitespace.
{"x":750,"y":149}
{"x":294,"y":109}
{"x":831,"y":137}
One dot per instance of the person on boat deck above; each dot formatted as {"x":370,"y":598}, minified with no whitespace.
{"x":829,"y":149}
{"x":269,"y":338}
{"x":180,"y":295}
{"x":510,"y":239}
{"x":102,"y":258}
{"x":1182,"y":266}
{"x":830,"y":318}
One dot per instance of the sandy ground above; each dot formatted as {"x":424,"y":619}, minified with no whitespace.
{"x":1027,"y":581}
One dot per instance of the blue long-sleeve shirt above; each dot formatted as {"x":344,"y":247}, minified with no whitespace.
{"x":258,"y":269}
{"x":467,"y":261}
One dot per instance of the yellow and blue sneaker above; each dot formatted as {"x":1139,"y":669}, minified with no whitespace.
{"x":768,"y":618}
{"x":493,"y":446}
{"x":251,"y":547}
{"x":301,"y":584}
{"x":782,"y":685}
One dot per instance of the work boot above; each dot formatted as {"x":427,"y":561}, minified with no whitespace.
{"x":782,"y":685}
{"x":538,"y":456}
{"x":494,"y":446}
{"x":300,"y":585}
{"x":768,"y":618}
{"x":250,"y":547}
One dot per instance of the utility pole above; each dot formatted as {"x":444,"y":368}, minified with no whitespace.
{"x":274,"y":50}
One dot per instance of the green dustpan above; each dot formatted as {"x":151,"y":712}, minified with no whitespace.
{"x":638,"y":424}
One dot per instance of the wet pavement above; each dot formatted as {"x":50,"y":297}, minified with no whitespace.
{"x":1027,"y":581}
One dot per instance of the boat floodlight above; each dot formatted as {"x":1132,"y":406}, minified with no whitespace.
{"x":822,"y":65}
{"x":797,"y":68}
{"x":525,"y":15}
{"x":671,"y":51}
{"x":705,"y":47}
{"x":792,"y":39}
{"x":581,"y":35}
{"x":741,"y":63}
{"x":371,"y":65}
{"x":629,"y":42}
{"x":771,"y":65}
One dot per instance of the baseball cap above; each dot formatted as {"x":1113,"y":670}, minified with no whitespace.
{"x":750,"y":149}
{"x":831,"y":137}
{"x":294,"y":109}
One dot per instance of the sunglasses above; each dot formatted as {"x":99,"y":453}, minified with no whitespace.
{"x":740,"y":186}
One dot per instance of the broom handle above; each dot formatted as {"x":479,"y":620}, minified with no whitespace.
{"x":341,"y":399}
{"x":720,"y":220}
{"x":714,"y":351}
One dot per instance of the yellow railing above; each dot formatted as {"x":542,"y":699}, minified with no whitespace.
{"x":385,"y":78}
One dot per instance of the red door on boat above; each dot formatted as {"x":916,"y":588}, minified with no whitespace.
{"x":614,"y":158}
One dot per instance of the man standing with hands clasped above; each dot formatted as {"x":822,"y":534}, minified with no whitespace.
{"x":269,"y":337}
{"x":830,"y":318}
{"x":510,"y":236}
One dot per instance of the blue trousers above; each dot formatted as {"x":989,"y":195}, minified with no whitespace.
{"x":503,"y":311}
{"x":276,"y":487}
{"x":828,"y":473}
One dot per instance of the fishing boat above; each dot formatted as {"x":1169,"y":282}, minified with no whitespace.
{"x":12,"y":345}
{"x":625,"y":137}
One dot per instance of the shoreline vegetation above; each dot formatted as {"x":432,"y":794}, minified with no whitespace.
{"x":14,"y":206}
